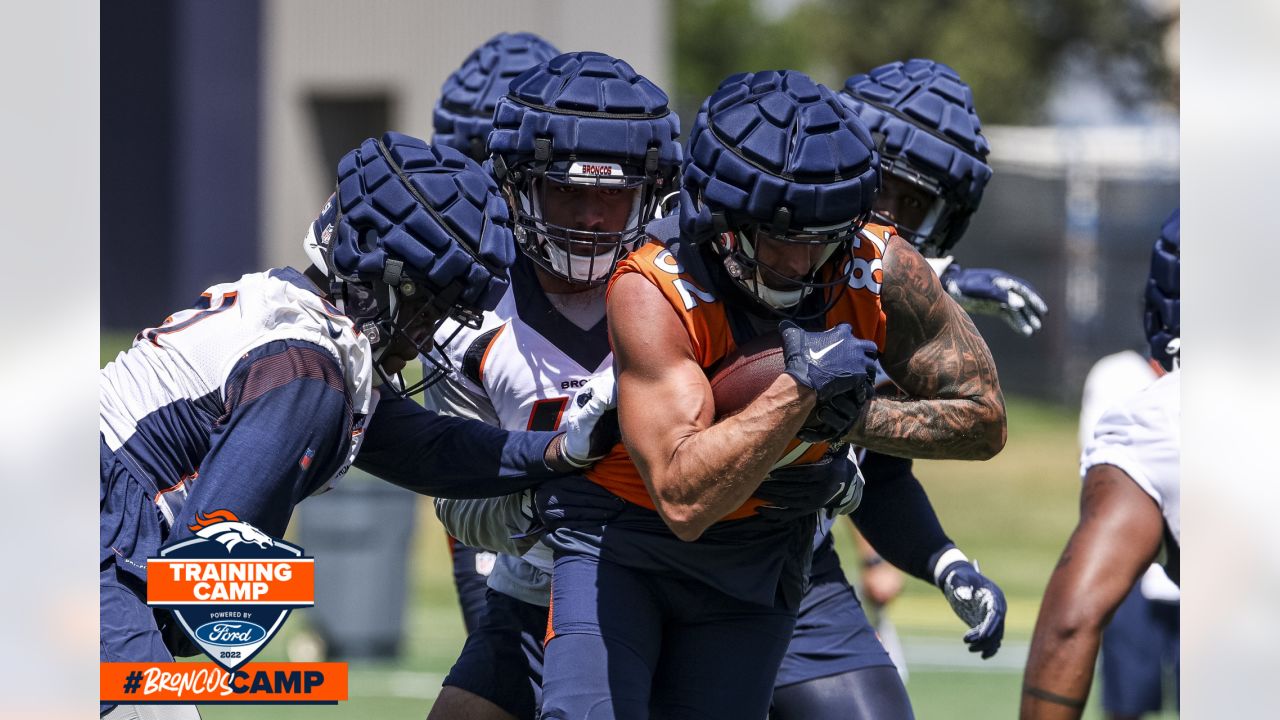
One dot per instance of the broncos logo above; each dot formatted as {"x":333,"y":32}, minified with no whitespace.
{"x":224,"y":527}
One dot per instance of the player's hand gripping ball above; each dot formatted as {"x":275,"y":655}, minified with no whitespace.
{"x":840,"y":368}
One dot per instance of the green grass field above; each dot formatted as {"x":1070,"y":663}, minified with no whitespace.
{"x":1013,"y":514}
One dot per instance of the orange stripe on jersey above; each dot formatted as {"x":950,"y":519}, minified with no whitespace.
{"x":489,"y":348}
{"x":704,"y":319}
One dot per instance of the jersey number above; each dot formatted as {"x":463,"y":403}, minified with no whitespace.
{"x":546,"y":413}
{"x":226,"y":302}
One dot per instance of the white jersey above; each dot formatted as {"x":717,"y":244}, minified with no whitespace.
{"x":181,"y":367}
{"x":519,"y":370}
{"x":1142,"y":437}
{"x":1113,"y":379}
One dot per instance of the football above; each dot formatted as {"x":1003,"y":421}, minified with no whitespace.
{"x":747,"y":372}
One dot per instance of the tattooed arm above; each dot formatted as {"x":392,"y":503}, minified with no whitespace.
{"x":1118,"y":536}
{"x":954,"y":409}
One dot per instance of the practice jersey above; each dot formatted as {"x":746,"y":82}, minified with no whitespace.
{"x":164,"y":398}
{"x":1142,"y":437}
{"x":715,"y":331}
{"x":1111,"y":379}
{"x":523,"y":364}
{"x":519,"y":370}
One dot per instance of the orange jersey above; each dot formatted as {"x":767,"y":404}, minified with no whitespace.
{"x":706,"y":321}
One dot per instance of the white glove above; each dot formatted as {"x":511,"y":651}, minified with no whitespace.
{"x":591,"y":424}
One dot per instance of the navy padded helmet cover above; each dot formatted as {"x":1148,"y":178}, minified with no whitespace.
{"x":896,"y":99}
{"x":569,"y":100}
{"x":470,"y":93}
{"x":464,"y":237}
{"x":777,"y":139}
{"x":1162,"y":317}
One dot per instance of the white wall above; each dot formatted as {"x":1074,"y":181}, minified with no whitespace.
{"x":405,"y":49}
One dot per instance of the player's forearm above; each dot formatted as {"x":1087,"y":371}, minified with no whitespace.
{"x":970,"y":428}
{"x":896,"y":518}
{"x":485,"y":523}
{"x":712,"y":472}
{"x":451,"y":457}
{"x":1059,"y":666}
{"x":954,"y":408}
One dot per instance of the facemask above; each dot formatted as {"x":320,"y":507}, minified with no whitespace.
{"x":591,"y":268}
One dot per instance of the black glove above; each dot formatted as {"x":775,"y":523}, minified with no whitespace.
{"x":840,"y":368}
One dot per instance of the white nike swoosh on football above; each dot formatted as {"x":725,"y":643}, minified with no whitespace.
{"x":818,"y":355}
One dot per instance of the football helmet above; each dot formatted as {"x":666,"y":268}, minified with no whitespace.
{"x":933,"y":155}
{"x":463,"y":116}
{"x":780,"y":177}
{"x":412,"y":234}
{"x":583,"y":122}
{"x":1161,"y":318}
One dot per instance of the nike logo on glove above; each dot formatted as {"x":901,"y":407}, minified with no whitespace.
{"x":816,"y":355}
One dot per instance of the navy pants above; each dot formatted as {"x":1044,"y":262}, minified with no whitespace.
{"x":634,"y":645}
{"x":502,"y":658}
{"x":469,"y":581}
{"x":1140,"y":642}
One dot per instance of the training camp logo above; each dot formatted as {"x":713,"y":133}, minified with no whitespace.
{"x":230,"y":587}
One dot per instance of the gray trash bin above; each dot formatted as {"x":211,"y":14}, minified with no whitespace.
{"x":359,"y":534}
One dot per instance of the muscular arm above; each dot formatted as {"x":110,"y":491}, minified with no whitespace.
{"x":1118,"y":536}
{"x":696,"y":471}
{"x":954,"y":408}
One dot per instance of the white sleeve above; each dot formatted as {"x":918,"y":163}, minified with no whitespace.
{"x":494,"y":524}
{"x":454,"y":394}
{"x":1110,"y":380}
{"x":1141,"y":436}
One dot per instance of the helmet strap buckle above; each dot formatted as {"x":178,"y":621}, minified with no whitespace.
{"x":499,"y":168}
{"x":781,"y":220}
{"x":392,"y":272}
{"x":542,"y":151}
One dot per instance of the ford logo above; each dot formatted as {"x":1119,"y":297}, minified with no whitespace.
{"x":226,"y":632}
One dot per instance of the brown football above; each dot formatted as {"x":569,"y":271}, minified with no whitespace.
{"x":746,"y":373}
{"x":742,"y":375}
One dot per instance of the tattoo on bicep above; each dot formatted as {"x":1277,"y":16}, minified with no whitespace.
{"x":934,"y":352}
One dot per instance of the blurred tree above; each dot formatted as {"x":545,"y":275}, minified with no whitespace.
{"x":1009,"y":51}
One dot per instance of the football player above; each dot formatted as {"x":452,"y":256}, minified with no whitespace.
{"x":462,"y":120}
{"x":835,"y":642}
{"x":1141,"y":640}
{"x":677,"y":572}
{"x":264,"y":391}
{"x":933,"y":173}
{"x":1129,"y":511}
{"x":584,"y":147}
